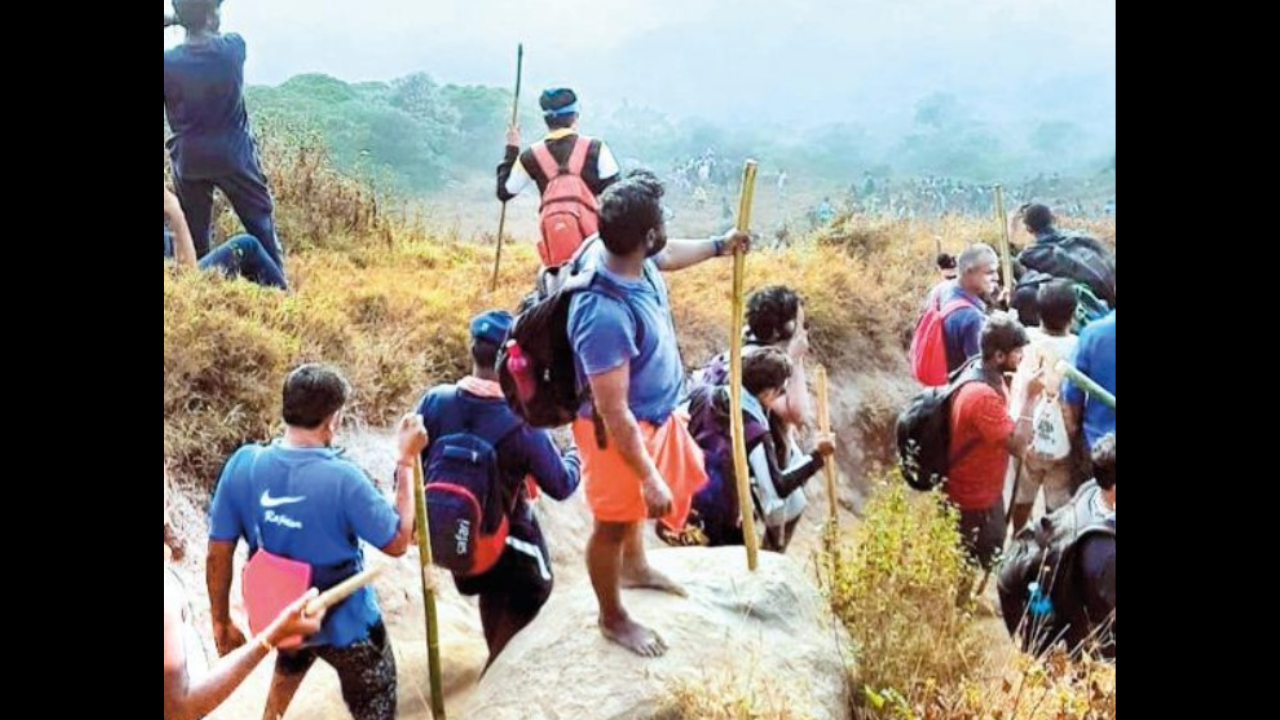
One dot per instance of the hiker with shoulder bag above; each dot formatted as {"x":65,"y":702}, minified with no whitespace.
{"x":304,"y":509}
{"x":776,"y":318}
{"x":1049,"y":463}
{"x":484,"y":468}
{"x":1071,"y":255}
{"x":960,"y":437}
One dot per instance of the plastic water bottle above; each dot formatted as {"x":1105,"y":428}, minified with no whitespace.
{"x":1040,"y":605}
{"x":521,"y":371}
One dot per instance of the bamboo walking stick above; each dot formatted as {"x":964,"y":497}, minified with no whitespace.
{"x":741,"y":471}
{"x":502,"y":219}
{"x":428,"y":594}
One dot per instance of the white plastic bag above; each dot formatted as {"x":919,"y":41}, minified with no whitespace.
{"x":1051,"y":440}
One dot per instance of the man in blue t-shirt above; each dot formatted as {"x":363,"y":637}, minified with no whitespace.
{"x":298,"y":498}
{"x":1096,"y":358}
{"x":211,"y":146}
{"x":624,"y":340}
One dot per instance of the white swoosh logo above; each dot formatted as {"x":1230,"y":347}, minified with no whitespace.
{"x":270,"y":502}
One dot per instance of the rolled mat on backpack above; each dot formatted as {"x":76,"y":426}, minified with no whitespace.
{"x":615,"y":492}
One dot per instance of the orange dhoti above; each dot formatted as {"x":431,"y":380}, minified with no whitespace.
{"x":615,"y":492}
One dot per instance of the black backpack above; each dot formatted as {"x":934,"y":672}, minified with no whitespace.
{"x":924,"y":432}
{"x":1079,"y":258}
{"x":1040,"y":588}
{"x":537,"y":366}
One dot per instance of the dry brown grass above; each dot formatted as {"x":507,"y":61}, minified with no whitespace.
{"x":732,"y":694}
{"x":393,"y":320}
{"x":388,"y":302}
{"x":393,"y":314}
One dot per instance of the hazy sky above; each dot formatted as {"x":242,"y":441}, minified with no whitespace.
{"x":784,"y":61}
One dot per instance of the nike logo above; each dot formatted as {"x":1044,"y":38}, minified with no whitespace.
{"x":270,"y":502}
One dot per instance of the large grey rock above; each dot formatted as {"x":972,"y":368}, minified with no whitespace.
{"x":734,"y":624}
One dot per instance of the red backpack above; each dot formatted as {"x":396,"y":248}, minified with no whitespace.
{"x":570,"y":212}
{"x":929,"y":346}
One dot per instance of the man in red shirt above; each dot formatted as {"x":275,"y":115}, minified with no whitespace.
{"x":983,"y":437}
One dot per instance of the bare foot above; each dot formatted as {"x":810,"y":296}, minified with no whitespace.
{"x":634,"y":637}
{"x":650,"y":579}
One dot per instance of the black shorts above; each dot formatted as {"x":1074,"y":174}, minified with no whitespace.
{"x":523,"y":573}
{"x":983,"y":533}
{"x":366,"y":672}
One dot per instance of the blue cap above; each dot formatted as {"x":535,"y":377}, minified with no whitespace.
{"x":492,"y":327}
{"x":558,"y":102}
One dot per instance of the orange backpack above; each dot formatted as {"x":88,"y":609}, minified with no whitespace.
{"x":570,"y":212}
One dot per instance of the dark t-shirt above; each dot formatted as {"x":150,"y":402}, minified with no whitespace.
{"x":204,"y":101}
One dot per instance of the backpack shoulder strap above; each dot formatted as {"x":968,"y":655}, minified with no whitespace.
{"x":459,"y":417}
{"x":610,"y":292}
{"x":954,"y":306}
{"x":960,"y":382}
{"x":547,"y":163}
{"x":446,"y":415}
{"x":578,"y":257}
{"x":577,"y":164}
{"x":753,"y":429}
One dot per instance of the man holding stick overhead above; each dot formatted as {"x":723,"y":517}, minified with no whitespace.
{"x":639,"y":460}
{"x":570,"y":170}
{"x":211,"y":146}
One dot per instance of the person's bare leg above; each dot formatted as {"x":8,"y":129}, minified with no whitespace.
{"x":283,"y":688}
{"x":636,"y":571}
{"x":604,"y":563}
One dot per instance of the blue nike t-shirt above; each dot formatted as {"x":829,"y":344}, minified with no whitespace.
{"x":310,"y":505}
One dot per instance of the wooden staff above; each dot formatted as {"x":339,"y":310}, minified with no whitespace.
{"x":1087,"y":384}
{"x":502,"y":219}
{"x":1006,"y":243}
{"x":428,"y":594}
{"x":824,"y":427}
{"x":747,"y":507}
{"x":343,"y":590}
